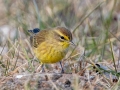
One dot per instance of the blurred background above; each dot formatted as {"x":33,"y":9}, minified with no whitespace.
{"x":93,"y":23}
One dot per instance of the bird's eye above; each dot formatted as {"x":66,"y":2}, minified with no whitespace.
{"x":62,"y":37}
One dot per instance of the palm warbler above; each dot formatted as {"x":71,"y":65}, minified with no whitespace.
{"x":50,"y":45}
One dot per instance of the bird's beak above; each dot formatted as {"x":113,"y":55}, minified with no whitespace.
{"x":72,"y":43}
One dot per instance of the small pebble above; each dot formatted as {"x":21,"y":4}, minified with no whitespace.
{"x":67,"y":83}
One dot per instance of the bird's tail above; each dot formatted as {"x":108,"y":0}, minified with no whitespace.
{"x":34,"y":31}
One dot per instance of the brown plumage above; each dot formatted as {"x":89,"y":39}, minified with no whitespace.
{"x":38,"y":38}
{"x":65,"y":31}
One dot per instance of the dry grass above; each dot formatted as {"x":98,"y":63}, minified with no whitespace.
{"x":92,"y":65}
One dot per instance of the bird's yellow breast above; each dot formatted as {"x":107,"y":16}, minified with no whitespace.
{"x":49,"y":52}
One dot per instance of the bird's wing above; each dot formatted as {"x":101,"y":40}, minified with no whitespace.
{"x":38,"y":38}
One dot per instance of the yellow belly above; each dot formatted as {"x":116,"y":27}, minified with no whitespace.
{"x":48,"y":53}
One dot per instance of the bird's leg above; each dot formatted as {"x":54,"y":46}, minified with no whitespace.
{"x":43,"y":70}
{"x":62,"y":71}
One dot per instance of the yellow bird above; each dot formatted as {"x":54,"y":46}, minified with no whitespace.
{"x":50,"y":45}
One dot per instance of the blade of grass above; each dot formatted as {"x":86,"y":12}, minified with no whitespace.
{"x":37,"y":12}
{"x":107,"y":24}
{"x":86,"y":17}
{"x":1,"y":56}
{"x":26,"y":55}
{"x":93,"y":39}
{"x":16,"y":61}
{"x":111,"y":47}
